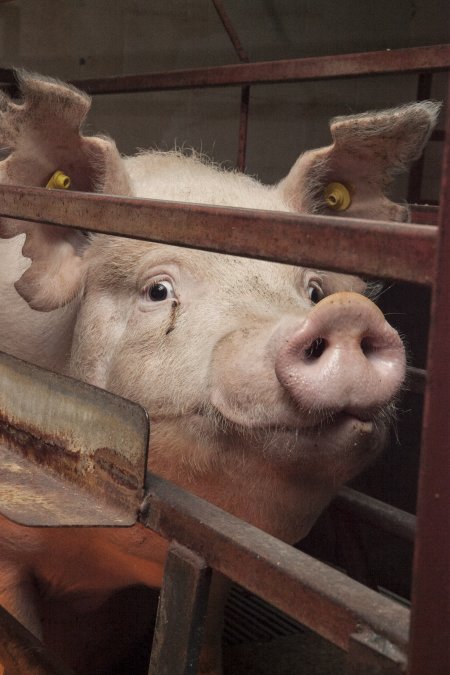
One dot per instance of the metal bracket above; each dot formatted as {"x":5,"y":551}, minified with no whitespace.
{"x":70,"y":453}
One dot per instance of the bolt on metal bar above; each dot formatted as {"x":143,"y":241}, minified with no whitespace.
{"x":380,"y":249}
{"x":316,"y":595}
{"x":396,"y":61}
{"x":429,"y":649}
{"x":181,"y":614}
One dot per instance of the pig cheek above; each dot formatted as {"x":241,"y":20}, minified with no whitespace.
{"x":244,"y":386}
{"x":160,"y":365}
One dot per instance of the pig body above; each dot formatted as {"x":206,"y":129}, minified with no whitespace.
{"x":268,"y":386}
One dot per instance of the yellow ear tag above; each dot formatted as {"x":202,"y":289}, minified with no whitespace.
{"x":337,"y":196}
{"x":59,"y":181}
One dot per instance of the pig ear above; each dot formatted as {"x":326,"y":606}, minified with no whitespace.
{"x":42,"y":134}
{"x":350,"y":176}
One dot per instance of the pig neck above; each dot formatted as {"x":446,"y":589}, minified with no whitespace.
{"x":272,"y":497}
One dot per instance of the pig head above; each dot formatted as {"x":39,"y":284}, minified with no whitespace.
{"x":267,"y":385}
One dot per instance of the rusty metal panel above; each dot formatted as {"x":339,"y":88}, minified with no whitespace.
{"x":21,"y":653}
{"x":181,"y":614}
{"x":311,"y":592}
{"x":409,"y":60}
{"x":380,"y":249}
{"x":70,"y":454}
{"x":430,"y":646}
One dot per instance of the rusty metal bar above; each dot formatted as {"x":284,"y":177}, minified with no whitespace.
{"x":429,"y":649}
{"x":398,"y":61}
{"x":369,"y":654}
{"x":243,"y":128}
{"x":181,"y":613}
{"x":245,"y":91}
{"x":387,"y":518}
{"x":393,"y":250}
{"x":21,"y":652}
{"x":320,"y":597}
{"x":71,"y":454}
{"x":424,"y":214}
{"x":231,"y":31}
{"x":416,"y":172}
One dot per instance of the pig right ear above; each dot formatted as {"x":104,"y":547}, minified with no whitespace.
{"x":350,"y":176}
{"x":42,"y":135}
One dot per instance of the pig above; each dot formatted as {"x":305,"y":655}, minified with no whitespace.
{"x":268,"y":386}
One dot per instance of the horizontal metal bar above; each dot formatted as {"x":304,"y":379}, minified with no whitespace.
{"x":380,"y":249}
{"x":409,"y":60}
{"x":387,"y":518}
{"x":311,"y":592}
{"x":424,"y":214}
{"x":70,"y":453}
{"x":21,"y":652}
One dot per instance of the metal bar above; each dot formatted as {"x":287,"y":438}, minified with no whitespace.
{"x":429,"y":650}
{"x":320,"y":597}
{"x":416,"y":173}
{"x":393,"y":250}
{"x":181,"y":613}
{"x":21,"y":652}
{"x":243,"y":128}
{"x":231,"y":31}
{"x":71,"y":454}
{"x":370,"y":655}
{"x":375,"y":512}
{"x":424,"y":214}
{"x":245,"y":91}
{"x":409,"y":60}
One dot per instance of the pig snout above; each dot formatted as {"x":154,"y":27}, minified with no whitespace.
{"x":344,"y":358}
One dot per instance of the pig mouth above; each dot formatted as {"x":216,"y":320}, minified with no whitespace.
{"x":320,"y":425}
{"x":327,"y":426}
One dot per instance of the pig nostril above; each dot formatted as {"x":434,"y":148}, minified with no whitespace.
{"x":367,"y":346}
{"x":316,"y":349}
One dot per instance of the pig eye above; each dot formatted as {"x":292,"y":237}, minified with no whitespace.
{"x":315,"y":292}
{"x":161,"y":290}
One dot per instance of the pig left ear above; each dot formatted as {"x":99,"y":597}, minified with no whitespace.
{"x":350,"y":176}
{"x":42,"y":134}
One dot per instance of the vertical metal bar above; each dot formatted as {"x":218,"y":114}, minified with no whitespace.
{"x":416,"y":173}
{"x":243,"y":128}
{"x":430,"y":646}
{"x":245,"y":91}
{"x":181,"y":613}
